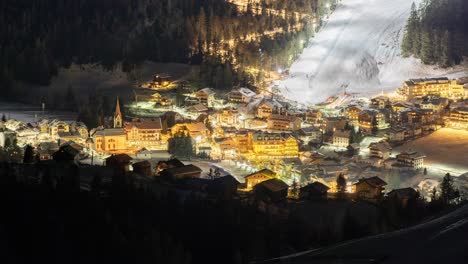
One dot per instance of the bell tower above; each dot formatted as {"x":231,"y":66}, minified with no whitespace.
{"x":117,"y":115}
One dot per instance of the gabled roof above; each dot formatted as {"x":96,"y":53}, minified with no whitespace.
{"x":373,"y":181}
{"x":265,"y":172}
{"x":154,"y":123}
{"x":110,"y":132}
{"x":121,"y":158}
{"x":273,"y":185}
{"x":381,"y":146}
{"x":403,"y":192}
{"x":207,"y":91}
{"x":315,"y":186}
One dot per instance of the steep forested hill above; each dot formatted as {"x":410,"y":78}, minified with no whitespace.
{"x":39,"y":36}
{"x":437,"y":32}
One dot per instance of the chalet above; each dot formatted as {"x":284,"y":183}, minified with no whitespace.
{"x":180,"y":173}
{"x":241,"y":95}
{"x":143,"y":168}
{"x":315,"y":190}
{"x":67,"y":152}
{"x":144,"y":132}
{"x":270,"y":146}
{"x":267,"y":107}
{"x":197,"y":130}
{"x":370,"y":188}
{"x":310,"y":134}
{"x":172,"y":163}
{"x":396,"y":134}
{"x":197,"y":109}
{"x":380,"y":102}
{"x":341,"y":138}
{"x":120,"y":162}
{"x":352,"y":113}
{"x":55,"y":126}
{"x":458,"y":117}
{"x":313,"y":116}
{"x":283,"y":122}
{"x":257,"y":177}
{"x":205,"y":96}
{"x":435,"y":104}
{"x":381,"y":150}
{"x":371,"y":119}
{"x":227,"y":117}
{"x":224,"y":187}
{"x":272,"y":190}
{"x":411,"y":159}
{"x":402,"y":196}
{"x":335,"y":123}
{"x":47,"y":149}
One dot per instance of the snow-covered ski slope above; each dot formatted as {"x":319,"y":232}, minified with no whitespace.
{"x":358,"y":48}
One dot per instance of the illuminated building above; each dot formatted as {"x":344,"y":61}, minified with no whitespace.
{"x":458,"y":118}
{"x":380,"y":102}
{"x":205,"y":96}
{"x":371,"y":119}
{"x":196,"y":130}
{"x":370,"y":188}
{"x":274,"y":146}
{"x":241,"y":95}
{"x":227,"y":117}
{"x":443,"y":87}
{"x":341,"y":138}
{"x":257,"y":177}
{"x":352,"y":113}
{"x":145,"y":133}
{"x":380,"y":150}
{"x":56,"y":126}
{"x":268,"y":107}
{"x":283,"y":122}
{"x":313,"y":116}
{"x":110,"y":140}
{"x":411,"y":159}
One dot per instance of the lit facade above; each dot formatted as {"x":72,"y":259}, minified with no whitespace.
{"x":443,"y":87}
{"x":274,"y":146}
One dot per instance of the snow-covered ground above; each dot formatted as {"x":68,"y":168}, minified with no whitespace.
{"x":358,"y":48}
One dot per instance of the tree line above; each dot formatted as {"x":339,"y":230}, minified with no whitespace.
{"x":436,"y":32}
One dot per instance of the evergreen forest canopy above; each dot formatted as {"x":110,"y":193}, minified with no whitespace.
{"x":38,"y":37}
{"x":437,"y":32}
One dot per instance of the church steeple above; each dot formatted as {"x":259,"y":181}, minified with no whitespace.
{"x":117,"y":115}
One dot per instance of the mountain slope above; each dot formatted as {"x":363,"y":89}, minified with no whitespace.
{"x":358,"y":49}
{"x":442,"y":240}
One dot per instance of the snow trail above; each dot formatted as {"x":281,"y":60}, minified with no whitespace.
{"x":358,"y":49}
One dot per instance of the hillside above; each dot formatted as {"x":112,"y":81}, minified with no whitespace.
{"x":235,"y":42}
{"x":358,"y":50}
{"x":432,"y":242}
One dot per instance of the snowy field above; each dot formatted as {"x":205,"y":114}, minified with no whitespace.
{"x":358,"y":49}
{"x":446,"y":151}
{"x":32,"y":113}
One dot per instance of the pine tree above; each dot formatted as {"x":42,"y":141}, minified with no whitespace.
{"x":341,"y":183}
{"x":427,"y":47}
{"x":445,"y":50}
{"x":448,"y":192}
{"x":28,"y":154}
{"x":410,"y":28}
{"x":4,"y":119}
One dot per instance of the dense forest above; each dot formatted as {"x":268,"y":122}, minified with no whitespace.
{"x":230,"y":42}
{"x":437,"y":32}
